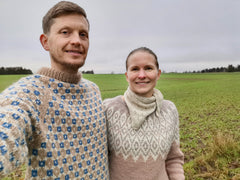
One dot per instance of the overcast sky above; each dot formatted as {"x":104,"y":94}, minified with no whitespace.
{"x":186,"y":35}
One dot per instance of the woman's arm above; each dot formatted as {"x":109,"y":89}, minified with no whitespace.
{"x":174,"y":163}
{"x":175,"y":158}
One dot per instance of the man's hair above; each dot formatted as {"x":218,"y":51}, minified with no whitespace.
{"x":61,"y":8}
{"x":142,"y":49}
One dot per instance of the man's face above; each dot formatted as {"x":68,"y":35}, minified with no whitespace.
{"x":67,"y":42}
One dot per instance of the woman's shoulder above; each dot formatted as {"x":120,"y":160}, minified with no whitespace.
{"x":112,"y":101}
{"x":167,"y":104}
{"x":115,"y":104}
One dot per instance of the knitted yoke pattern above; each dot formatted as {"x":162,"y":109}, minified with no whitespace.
{"x":150,"y":152}
{"x":55,"y":123}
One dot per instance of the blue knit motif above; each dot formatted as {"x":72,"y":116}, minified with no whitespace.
{"x":59,"y":127}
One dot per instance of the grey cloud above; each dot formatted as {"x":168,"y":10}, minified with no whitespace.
{"x":186,"y":34}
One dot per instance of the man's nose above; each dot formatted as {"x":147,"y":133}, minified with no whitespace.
{"x":75,"y":39}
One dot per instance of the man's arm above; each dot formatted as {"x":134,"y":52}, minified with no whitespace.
{"x":17,"y":111}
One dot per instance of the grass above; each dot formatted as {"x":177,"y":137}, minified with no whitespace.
{"x":220,"y":159}
{"x":6,"y":80}
{"x":209,"y":111}
{"x":18,"y":174}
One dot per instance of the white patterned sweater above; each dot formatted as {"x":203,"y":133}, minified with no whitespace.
{"x":55,"y":123}
{"x":149,"y":153}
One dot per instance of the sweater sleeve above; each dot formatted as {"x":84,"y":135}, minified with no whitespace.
{"x":18,"y":107}
{"x":175,"y":157}
{"x":174,"y":163}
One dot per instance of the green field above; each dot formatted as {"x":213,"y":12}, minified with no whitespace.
{"x":209,"y":111}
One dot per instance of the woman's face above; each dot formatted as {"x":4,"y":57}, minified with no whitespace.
{"x":142,"y":73}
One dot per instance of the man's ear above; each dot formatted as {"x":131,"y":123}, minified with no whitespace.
{"x":44,"y":41}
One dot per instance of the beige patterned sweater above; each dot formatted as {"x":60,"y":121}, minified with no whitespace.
{"x":55,"y":123}
{"x":150,"y":153}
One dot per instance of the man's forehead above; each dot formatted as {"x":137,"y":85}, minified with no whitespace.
{"x":72,"y":20}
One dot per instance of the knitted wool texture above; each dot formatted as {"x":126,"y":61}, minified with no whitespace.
{"x":55,"y":123}
{"x":150,"y":153}
{"x":141,"y":107}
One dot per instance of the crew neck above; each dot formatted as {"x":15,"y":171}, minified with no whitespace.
{"x":61,"y":76}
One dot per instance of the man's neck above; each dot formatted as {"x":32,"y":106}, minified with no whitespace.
{"x":61,"y":76}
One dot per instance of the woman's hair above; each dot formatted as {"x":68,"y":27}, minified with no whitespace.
{"x":142,"y":49}
{"x":61,"y":8}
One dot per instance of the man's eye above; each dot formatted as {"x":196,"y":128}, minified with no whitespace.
{"x":83,"y":35}
{"x":64,"y":32}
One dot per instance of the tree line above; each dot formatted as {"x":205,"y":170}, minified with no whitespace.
{"x":88,"y":72}
{"x":229,"y":68}
{"x":21,"y":70}
{"x":14,"y":70}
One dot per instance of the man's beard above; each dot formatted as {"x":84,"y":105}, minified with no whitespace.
{"x":72,"y":66}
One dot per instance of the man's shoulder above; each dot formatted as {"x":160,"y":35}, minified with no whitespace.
{"x":26,"y":82}
{"x":86,"y":81}
{"x":31,"y":80}
{"x":88,"y":84}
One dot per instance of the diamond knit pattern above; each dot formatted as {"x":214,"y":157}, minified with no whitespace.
{"x":153,"y":139}
{"x":58,"y":128}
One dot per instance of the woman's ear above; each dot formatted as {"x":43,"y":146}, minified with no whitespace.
{"x":126,"y":75}
{"x":44,"y":41}
{"x":159,"y":73}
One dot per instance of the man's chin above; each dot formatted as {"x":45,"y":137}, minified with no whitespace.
{"x":70,"y":65}
{"x":74,"y":66}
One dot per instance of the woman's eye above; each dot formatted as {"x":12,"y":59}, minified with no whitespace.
{"x":148,"y":68}
{"x":134,"y":69}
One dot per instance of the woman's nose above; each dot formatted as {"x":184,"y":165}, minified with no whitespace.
{"x":142,"y":74}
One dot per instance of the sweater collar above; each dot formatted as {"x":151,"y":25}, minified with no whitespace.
{"x":61,"y":76}
{"x":141,"y":107}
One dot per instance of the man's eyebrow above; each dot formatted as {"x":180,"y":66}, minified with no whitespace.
{"x":65,"y":27}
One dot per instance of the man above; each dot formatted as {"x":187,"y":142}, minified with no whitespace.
{"x":54,"y":120}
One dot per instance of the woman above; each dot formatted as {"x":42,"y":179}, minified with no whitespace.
{"x":143,"y":128}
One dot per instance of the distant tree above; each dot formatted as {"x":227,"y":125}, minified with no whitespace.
{"x":14,"y":70}
{"x":238,"y":68}
{"x":230,"y":68}
{"x":88,"y":72}
{"x":223,"y":69}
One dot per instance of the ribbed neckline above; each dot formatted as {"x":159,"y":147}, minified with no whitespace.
{"x":61,"y":76}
